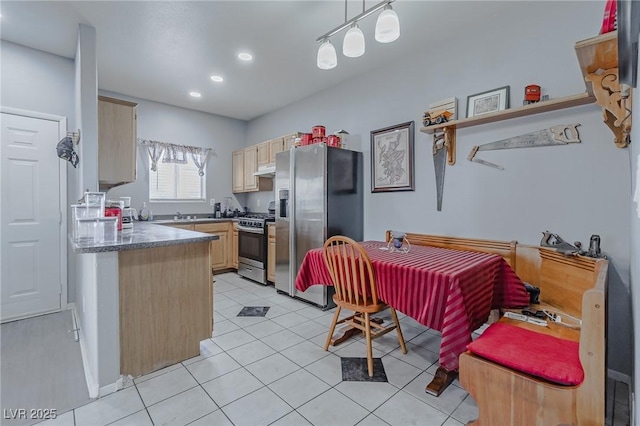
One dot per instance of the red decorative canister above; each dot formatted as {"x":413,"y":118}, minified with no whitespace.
{"x":334,"y":141}
{"x":317,"y":140}
{"x":318,"y":131}
{"x":306,"y":139}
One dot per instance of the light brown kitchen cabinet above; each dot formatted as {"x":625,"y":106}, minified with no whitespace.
{"x":275,"y":146}
{"x":263,"y":153}
{"x":221,"y":247}
{"x":237,"y":167}
{"x":234,"y":246}
{"x":117,"y":133}
{"x":250,"y":167}
{"x":245,"y":164}
{"x":187,"y":226}
{"x":271,"y":253}
{"x":289,"y":140}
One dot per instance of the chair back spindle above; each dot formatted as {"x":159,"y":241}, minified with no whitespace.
{"x":351,"y":271}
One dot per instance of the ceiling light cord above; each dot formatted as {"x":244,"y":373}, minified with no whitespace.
{"x":387,"y":30}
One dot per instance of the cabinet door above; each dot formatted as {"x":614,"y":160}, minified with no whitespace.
{"x":219,"y":247}
{"x":237,"y":167}
{"x":234,"y":246}
{"x":289,"y":140}
{"x":219,"y":251}
{"x":188,"y":226}
{"x":250,"y":167}
{"x":116,"y":141}
{"x":271,"y":254}
{"x":275,"y":146}
{"x":263,"y":153}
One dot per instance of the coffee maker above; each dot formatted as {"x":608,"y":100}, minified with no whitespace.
{"x":128,"y":214}
{"x":216,"y":210}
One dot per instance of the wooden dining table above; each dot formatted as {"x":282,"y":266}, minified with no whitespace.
{"x":451,"y":291}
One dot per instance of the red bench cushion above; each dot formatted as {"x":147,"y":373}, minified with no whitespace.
{"x":551,"y":358}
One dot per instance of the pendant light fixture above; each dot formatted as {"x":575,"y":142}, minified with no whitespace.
{"x":353,"y":46}
{"x":387,"y":26}
{"x":327,"y":57}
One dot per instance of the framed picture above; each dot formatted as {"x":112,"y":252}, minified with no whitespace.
{"x":392,"y":158}
{"x":486,"y":102}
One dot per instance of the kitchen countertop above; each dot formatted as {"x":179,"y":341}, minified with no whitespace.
{"x":147,"y":235}
{"x":186,"y":221}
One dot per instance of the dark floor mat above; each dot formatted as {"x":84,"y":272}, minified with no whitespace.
{"x":254,"y":311}
{"x":355,"y":370}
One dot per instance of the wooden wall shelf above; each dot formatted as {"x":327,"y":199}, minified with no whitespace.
{"x":598,"y":58}
{"x":523,"y":111}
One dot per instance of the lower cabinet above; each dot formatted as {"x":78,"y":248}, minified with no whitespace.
{"x":234,"y":246}
{"x":271,"y":254}
{"x":187,"y":226}
{"x":220,"y":248}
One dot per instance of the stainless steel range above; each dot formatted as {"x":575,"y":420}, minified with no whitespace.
{"x":252,"y":246}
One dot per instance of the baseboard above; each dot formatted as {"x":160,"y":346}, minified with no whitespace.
{"x":92,"y":383}
{"x":619,"y":377}
{"x":111,"y":388}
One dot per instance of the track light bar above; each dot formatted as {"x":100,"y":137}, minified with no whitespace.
{"x":348,"y":23}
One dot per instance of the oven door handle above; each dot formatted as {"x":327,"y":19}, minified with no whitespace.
{"x":251,"y":230}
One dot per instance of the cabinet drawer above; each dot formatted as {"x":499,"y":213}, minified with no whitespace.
{"x":212,"y":227}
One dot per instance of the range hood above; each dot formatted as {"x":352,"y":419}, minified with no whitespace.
{"x":266,"y":171}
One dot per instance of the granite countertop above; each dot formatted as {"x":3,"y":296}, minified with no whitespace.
{"x":198,"y":220}
{"x":145,"y":235}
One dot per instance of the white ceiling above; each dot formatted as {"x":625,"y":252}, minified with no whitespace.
{"x":163,"y":50}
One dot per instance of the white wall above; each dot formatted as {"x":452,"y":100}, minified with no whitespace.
{"x":36,"y":81}
{"x":167,"y":123}
{"x":575,"y":191}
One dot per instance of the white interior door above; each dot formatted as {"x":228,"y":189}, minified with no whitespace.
{"x":30,"y":219}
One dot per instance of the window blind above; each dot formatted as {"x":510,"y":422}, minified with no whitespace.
{"x":176,"y":182}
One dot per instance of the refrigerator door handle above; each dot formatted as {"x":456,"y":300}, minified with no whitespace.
{"x":292,"y":221}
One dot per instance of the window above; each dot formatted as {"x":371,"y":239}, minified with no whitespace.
{"x":176,"y":182}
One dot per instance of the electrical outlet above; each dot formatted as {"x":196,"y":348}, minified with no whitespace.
{"x":212,"y":202}
{"x":258,"y":202}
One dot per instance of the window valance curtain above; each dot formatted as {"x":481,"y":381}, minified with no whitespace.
{"x":172,"y":153}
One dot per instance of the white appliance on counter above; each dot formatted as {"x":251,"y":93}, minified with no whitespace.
{"x":319,"y":194}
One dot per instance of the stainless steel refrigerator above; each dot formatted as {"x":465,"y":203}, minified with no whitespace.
{"x":319,"y":194}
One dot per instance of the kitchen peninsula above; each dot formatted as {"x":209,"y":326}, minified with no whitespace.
{"x":152,"y":302}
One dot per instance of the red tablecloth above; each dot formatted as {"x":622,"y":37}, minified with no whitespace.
{"x":451,"y":291}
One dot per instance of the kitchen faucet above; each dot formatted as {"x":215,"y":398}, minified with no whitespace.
{"x":180,"y":216}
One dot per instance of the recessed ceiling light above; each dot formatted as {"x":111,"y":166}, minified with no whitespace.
{"x":217,"y":78}
{"x":195,"y":94}
{"x":245,"y":56}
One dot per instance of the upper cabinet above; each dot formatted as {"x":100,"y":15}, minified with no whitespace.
{"x":237,"y":166}
{"x":275,"y":146}
{"x":116,"y":142}
{"x":253,"y":166}
{"x":263,"y":153}
{"x":244,"y":165}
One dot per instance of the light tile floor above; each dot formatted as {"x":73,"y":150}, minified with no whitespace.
{"x":273,"y":370}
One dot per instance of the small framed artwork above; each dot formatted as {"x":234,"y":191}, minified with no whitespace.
{"x":392,"y":161}
{"x":486,"y":102}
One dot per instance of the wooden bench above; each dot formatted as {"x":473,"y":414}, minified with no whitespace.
{"x":570,"y":285}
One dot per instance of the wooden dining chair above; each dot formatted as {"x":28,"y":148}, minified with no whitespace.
{"x":354,"y":280}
